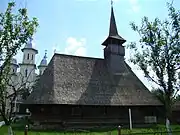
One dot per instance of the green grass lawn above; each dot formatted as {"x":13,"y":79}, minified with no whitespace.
{"x":4,"y":131}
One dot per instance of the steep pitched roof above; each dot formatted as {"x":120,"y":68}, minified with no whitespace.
{"x":87,"y":81}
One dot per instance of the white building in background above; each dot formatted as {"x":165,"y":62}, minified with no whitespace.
{"x":24,"y":74}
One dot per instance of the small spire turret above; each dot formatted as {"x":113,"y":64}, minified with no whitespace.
{"x":44,"y":60}
{"x":43,"y":64}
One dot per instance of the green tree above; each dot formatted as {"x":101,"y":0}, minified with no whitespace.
{"x":15,"y":30}
{"x":157,"y":54}
{"x":178,"y":98}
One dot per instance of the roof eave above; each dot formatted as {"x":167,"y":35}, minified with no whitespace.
{"x":36,"y":51}
{"x":42,"y":66}
{"x":106,"y":42}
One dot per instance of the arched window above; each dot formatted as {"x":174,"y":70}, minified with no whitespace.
{"x":28,"y":56}
{"x":26,"y":73}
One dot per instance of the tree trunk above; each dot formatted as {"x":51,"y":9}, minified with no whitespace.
{"x":168,"y":106}
{"x":168,"y":127}
{"x":10,"y":131}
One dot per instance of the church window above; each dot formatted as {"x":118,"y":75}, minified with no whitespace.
{"x":32,"y":57}
{"x":26,"y":73}
{"x":28,"y":56}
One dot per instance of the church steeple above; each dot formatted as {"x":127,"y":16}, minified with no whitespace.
{"x":114,"y":37}
{"x":114,"y":51}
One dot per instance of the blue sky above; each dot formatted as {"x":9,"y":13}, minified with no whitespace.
{"x":78,"y":27}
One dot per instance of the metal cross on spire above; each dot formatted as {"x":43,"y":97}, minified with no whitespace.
{"x":111,"y":3}
{"x":45,"y":56}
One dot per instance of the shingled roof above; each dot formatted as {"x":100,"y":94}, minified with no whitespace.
{"x":87,"y":81}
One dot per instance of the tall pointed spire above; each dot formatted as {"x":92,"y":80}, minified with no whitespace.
{"x":112,"y":29}
{"x":113,"y":32}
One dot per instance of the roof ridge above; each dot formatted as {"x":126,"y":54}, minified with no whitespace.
{"x":75,"y":56}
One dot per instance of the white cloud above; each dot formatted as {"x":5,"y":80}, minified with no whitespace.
{"x":134,"y":6}
{"x":81,"y":51}
{"x":75,"y":46}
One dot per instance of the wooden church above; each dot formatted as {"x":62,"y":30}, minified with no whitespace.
{"x":81,"y":92}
